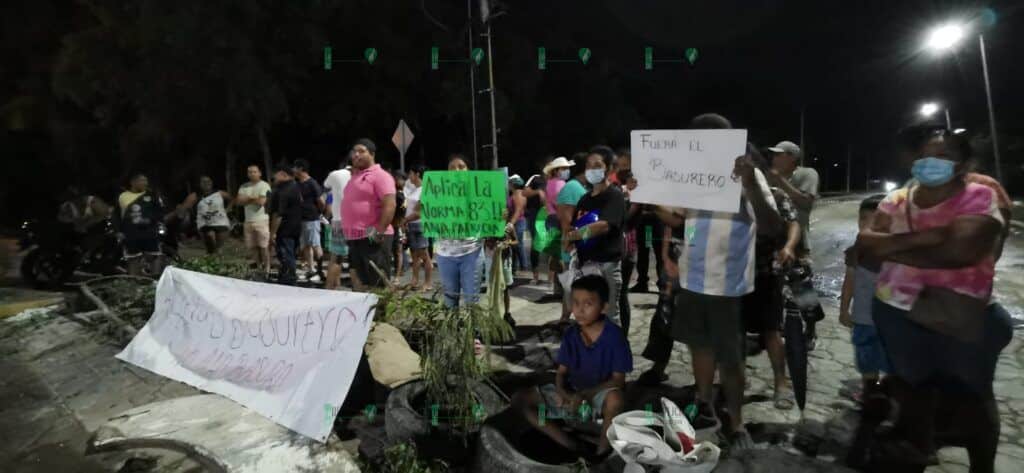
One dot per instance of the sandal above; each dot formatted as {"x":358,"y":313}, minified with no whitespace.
{"x":784,"y":399}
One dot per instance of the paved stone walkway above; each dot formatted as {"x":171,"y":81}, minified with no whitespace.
{"x":829,"y":414}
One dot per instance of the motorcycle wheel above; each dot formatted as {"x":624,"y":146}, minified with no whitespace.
{"x":28,"y":264}
{"x":45,"y":269}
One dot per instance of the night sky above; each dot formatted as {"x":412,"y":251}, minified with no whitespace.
{"x":857,"y":70}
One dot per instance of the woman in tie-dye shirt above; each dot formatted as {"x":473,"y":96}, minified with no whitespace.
{"x":949,"y":243}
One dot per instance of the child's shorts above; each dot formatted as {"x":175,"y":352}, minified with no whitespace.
{"x":552,"y":411}
{"x":336,"y":244}
{"x":868,"y":350}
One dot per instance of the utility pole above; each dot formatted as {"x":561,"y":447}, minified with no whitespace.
{"x":472,"y":82}
{"x":849,"y":161}
{"x":803,"y":148}
{"x":494,"y":124}
{"x":991,"y":112}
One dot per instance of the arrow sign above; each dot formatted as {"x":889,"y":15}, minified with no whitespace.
{"x":402,"y":139}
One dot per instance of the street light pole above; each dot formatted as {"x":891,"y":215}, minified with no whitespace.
{"x":945,"y":37}
{"x":949,"y":123}
{"x":991,"y":111}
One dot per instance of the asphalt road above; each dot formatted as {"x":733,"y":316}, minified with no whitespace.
{"x":834,"y":228}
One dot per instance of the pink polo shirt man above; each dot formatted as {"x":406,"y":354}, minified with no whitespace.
{"x":361,"y":207}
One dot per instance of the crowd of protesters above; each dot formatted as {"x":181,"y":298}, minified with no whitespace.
{"x":917,"y":292}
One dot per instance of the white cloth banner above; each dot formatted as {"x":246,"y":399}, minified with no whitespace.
{"x":287,"y":353}
{"x":687,"y":168}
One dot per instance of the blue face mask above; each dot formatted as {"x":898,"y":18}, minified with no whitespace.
{"x":932,"y":172}
{"x":595,"y":176}
{"x":564,"y":174}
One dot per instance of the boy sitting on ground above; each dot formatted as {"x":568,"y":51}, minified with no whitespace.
{"x":592,"y":364}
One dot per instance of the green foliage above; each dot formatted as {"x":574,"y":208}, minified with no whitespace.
{"x":217,"y":265}
{"x":403,"y":458}
{"x":445,"y":337}
{"x":449,"y":363}
{"x":127,"y":295}
{"x":405,"y":309}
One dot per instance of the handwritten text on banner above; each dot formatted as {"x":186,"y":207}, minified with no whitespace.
{"x":281,"y":351}
{"x":463,"y":204}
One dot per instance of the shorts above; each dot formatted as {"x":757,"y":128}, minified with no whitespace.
{"x":336,"y":244}
{"x":135,"y":248}
{"x":710,"y":322}
{"x":257,"y":234}
{"x":762,"y":309}
{"x":552,"y":411}
{"x":213,"y":228}
{"x":868,"y":351}
{"x":416,"y":239}
{"x":310,"y":234}
{"x":364,"y":251}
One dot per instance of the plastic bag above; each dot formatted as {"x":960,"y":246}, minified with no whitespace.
{"x":545,"y":237}
{"x":640,"y":446}
{"x":577,"y":271}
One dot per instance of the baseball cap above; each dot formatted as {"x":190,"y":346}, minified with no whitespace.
{"x":786,"y":147}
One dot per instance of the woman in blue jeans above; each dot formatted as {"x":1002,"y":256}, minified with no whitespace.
{"x":457,"y":259}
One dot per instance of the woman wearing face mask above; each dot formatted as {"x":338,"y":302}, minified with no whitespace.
{"x":601,"y":242}
{"x":457,"y":259}
{"x":937,"y":239}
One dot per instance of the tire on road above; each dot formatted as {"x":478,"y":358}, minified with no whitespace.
{"x":403,"y":422}
{"x":43,"y":269}
{"x":495,"y":454}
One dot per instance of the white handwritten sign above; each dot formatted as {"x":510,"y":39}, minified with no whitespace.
{"x":687,"y":168}
{"x":283,"y":352}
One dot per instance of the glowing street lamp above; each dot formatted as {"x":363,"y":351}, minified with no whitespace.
{"x":929,"y":109}
{"x":946,"y":37}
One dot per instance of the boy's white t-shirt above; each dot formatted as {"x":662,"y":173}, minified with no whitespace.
{"x":336,"y":182}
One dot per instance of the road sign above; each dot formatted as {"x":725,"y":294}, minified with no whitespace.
{"x":402,"y":139}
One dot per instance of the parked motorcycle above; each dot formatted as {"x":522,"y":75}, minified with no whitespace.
{"x":55,"y":252}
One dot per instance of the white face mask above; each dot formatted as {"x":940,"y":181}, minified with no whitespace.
{"x":564,"y":174}
{"x":595,"y":176}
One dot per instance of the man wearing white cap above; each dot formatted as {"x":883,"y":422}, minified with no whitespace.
{"x":800,"y":184}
